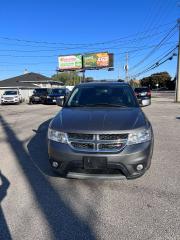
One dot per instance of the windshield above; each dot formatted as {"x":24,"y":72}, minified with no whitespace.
{"x":94,"y":96}
{"x":139,"y":90}
{"x":40,"y":91}
{"x":10,"y":93}
{"x":58,"y":91}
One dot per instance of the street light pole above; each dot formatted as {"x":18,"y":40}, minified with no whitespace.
{"x":178,"y":69}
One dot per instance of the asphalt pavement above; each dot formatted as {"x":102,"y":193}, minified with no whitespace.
{"x":37,"y":205}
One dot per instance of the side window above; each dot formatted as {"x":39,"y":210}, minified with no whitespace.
{"x":67,"y":91}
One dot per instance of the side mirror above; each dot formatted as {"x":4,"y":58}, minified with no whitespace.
{"x":60,"y":102}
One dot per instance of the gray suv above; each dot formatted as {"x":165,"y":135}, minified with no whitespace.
{"x":100,"y":132}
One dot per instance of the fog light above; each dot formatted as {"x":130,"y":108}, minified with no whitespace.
{"x":139,"y":167}
{"x":55,"y":164}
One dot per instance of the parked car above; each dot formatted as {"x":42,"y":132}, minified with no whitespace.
{"x":54,"y":94}
{"x":161,"y":89}
{"x":11,"y":97}
{"x":38,"y":95}
{"x":143,"y":95}
{"x":101,"y":132}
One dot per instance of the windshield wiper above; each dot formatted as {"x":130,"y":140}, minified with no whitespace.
{"x":75,"y":105}
{"x":106,"y":104}
{"x":99,"y":105}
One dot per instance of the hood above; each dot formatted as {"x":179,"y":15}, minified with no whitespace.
{"x":10,"y":95}
{"x":97,"y":120}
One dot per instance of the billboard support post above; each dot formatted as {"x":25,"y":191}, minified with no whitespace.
{"x":83,"y":75}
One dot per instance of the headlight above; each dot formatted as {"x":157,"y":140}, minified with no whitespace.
{"x":139,"y":137}
{"x":57,"y":136}
{"x":48,"y":97}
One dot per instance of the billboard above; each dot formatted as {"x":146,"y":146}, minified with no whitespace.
{"x":97,"y":60}
{"x":70,"y":62}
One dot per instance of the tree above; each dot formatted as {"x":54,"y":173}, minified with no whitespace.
{"x":68,"y":78}
{"x":171,"y":85}
{"x":163,"y":79}
{"x":89,"y":79}
{"x":135,"y":83}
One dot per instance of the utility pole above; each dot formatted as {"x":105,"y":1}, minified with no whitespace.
{"x":127,"y":67}
{"x":178,"y":68}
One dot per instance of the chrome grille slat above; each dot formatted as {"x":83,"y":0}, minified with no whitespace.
{"x":80,"y":136}
{"x":89,"y":146}
{"x":111,"y":137}
{"x":113,"y":146}
{"x":110,"y":143}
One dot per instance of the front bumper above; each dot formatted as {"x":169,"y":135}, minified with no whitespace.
{"x":14,"y":101}
{"x":126,"y":161}
{"x":52,"y":100}
{"x":145,"y":99}
{"x":35,"y":100}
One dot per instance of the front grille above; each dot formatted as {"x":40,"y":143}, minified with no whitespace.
{"x":80,"y":136}
{"x":107,"y":137}
{"x":8,"y":98}
{"x":82,"y":146}
{"x":97,"y":142}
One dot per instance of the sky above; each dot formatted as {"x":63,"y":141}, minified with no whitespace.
{"x":33,"y":34}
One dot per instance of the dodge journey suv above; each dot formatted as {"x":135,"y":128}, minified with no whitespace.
{"x":100,"y":132}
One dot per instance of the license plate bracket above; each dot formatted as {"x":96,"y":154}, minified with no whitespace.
{"x":95,"y":162}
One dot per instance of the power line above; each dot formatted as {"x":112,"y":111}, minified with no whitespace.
{"x":160,"y":58}
{"x":141,"y":49}
{"x":142,"y":54}
{"x":80,"y":44}
{"x":164,"y":54}
{"x":156,"y":47}
{"x":152,"y":67}
{"x":149,"y":15}
{"x":93,"y":49}
{"x":26,"y":64}
{"x":157,"y":63}
{"x":48,"y":50}
{"x":56,"y":55}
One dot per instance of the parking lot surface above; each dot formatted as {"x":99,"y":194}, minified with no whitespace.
{"x":35,"y":204}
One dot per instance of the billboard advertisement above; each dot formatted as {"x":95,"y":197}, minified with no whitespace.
{"x":97,"y":60}
{"x":70,"y":62}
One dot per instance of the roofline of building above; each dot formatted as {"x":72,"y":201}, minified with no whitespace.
{"x":43,"y":81}
{"x":22,"y":87}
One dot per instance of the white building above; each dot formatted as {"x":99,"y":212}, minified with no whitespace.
{"x":26,"y":83}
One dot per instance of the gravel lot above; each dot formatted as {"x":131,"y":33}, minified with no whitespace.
{"x":37,"y":205}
